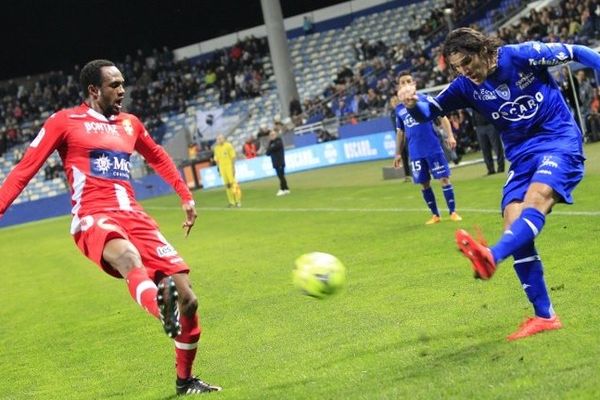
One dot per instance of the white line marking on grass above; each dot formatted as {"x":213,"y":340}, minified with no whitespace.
{"x":321,"y":209}
{"x":365,"y":210}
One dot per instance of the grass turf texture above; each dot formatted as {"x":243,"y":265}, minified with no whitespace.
{"x":412,"y":323}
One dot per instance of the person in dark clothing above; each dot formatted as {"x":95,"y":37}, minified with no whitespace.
{"x":489,"y":138}
{"x":407,"y":174}
{"x":277,"y":153}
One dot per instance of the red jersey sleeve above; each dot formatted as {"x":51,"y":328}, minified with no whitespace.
{"x":46,"y":141}
{"x":161,"y":162}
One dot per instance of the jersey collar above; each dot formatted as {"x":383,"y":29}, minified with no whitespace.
{"x":95,"y":114}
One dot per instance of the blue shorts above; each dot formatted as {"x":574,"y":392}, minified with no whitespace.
{"x":562,"y":172}
{"x":435,"y":163}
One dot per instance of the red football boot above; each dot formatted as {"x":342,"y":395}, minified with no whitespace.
{"x":534,"y":325}
{"x":480,"y":256}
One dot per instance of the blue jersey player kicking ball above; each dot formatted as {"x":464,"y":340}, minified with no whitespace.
{"x":511,"y":86}
{"x":426,"y":153}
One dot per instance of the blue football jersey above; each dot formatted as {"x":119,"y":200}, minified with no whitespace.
{"x":521,"y":99}
{"x":421,"y":138}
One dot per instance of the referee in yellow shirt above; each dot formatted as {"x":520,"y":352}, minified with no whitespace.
{"x":224,"y":156}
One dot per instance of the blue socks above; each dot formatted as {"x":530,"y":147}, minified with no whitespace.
{"x":449,"y":195}
{"x":530,"y":271}
{"x":430,"y":200}
{"x":522,"y":232}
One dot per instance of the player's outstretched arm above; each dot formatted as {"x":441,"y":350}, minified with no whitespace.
{"x":586,"y":56}
{"x":189,"y":208}
{"x":421,"y":111}
{"x":46,"y":141}
{"x":164,"y":166}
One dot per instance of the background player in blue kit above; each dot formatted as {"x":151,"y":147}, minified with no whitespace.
{"x":426,"y":154}
{"x":511,"y":86}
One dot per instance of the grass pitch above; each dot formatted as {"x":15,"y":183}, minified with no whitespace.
{"x":412,"y":322}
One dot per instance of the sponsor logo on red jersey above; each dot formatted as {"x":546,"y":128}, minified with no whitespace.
{"x":110,"y":164}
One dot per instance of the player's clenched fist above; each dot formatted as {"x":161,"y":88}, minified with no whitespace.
{"x":408,"y":95}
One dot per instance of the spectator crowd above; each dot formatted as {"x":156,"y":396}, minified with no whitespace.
{"x":160,"y":86}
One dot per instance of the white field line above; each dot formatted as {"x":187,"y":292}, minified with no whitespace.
{"x":364,"y":210}
{"x":324,"y":210}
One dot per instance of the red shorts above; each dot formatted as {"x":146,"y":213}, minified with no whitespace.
{"x":158,"y":256}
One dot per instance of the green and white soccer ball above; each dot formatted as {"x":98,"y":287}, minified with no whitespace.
{"x":319,"y":274}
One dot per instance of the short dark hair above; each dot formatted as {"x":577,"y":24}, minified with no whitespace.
{"x":91,"y":74}
{"x":403,"y":73}
{"x":470,"y":41}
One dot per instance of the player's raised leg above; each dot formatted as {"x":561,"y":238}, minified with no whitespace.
{"x":161,"y":302}
{"x":186,"y":343}
{"x":523,"y":222}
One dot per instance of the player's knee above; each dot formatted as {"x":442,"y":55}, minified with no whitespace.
{"x":130,"y":258}
{"x":123,"y":258}
{"x":189,"y":304}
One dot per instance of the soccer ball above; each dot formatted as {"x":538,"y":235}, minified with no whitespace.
{"x":319,"y":274}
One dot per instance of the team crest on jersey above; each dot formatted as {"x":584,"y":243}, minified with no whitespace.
{"x":503,"y":91}
{"x":128,"y":127}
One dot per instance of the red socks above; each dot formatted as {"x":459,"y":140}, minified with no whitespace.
{"x":186,"y":345}
{"x":143,"y":290}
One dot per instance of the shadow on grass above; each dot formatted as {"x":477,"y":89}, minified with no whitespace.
{"x":457,"y":350}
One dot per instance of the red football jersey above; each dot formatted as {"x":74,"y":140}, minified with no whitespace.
{"x":95,"y":153}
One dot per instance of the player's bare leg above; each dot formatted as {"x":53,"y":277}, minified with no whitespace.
{"x":186,"y":343}
{"x":159,"y":301}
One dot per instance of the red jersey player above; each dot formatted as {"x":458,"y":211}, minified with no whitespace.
{"x":95,"y":141}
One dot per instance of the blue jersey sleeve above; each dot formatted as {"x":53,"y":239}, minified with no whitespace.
{"x":586,"y":56}
{"x":429,"y":108}
{"x":548,"y":54}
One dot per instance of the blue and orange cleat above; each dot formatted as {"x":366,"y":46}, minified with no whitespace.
{"x":534,"y":325}
{"x":481,"y":257}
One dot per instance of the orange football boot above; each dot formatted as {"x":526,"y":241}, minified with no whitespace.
{"x":480,"y":256}
{"x":434,"y":220}
{"x":534,"y":325}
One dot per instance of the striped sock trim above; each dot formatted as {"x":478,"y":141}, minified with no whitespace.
{"x":186,"y":346}
{"x":532,"y":226}
{"x":141,"y":288}
{"x":528,"y":259}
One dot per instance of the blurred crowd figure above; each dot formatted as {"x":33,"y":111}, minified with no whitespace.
{"x":53,"y":169}
{"x":250,"y":149}
{"x":489,"y":141}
